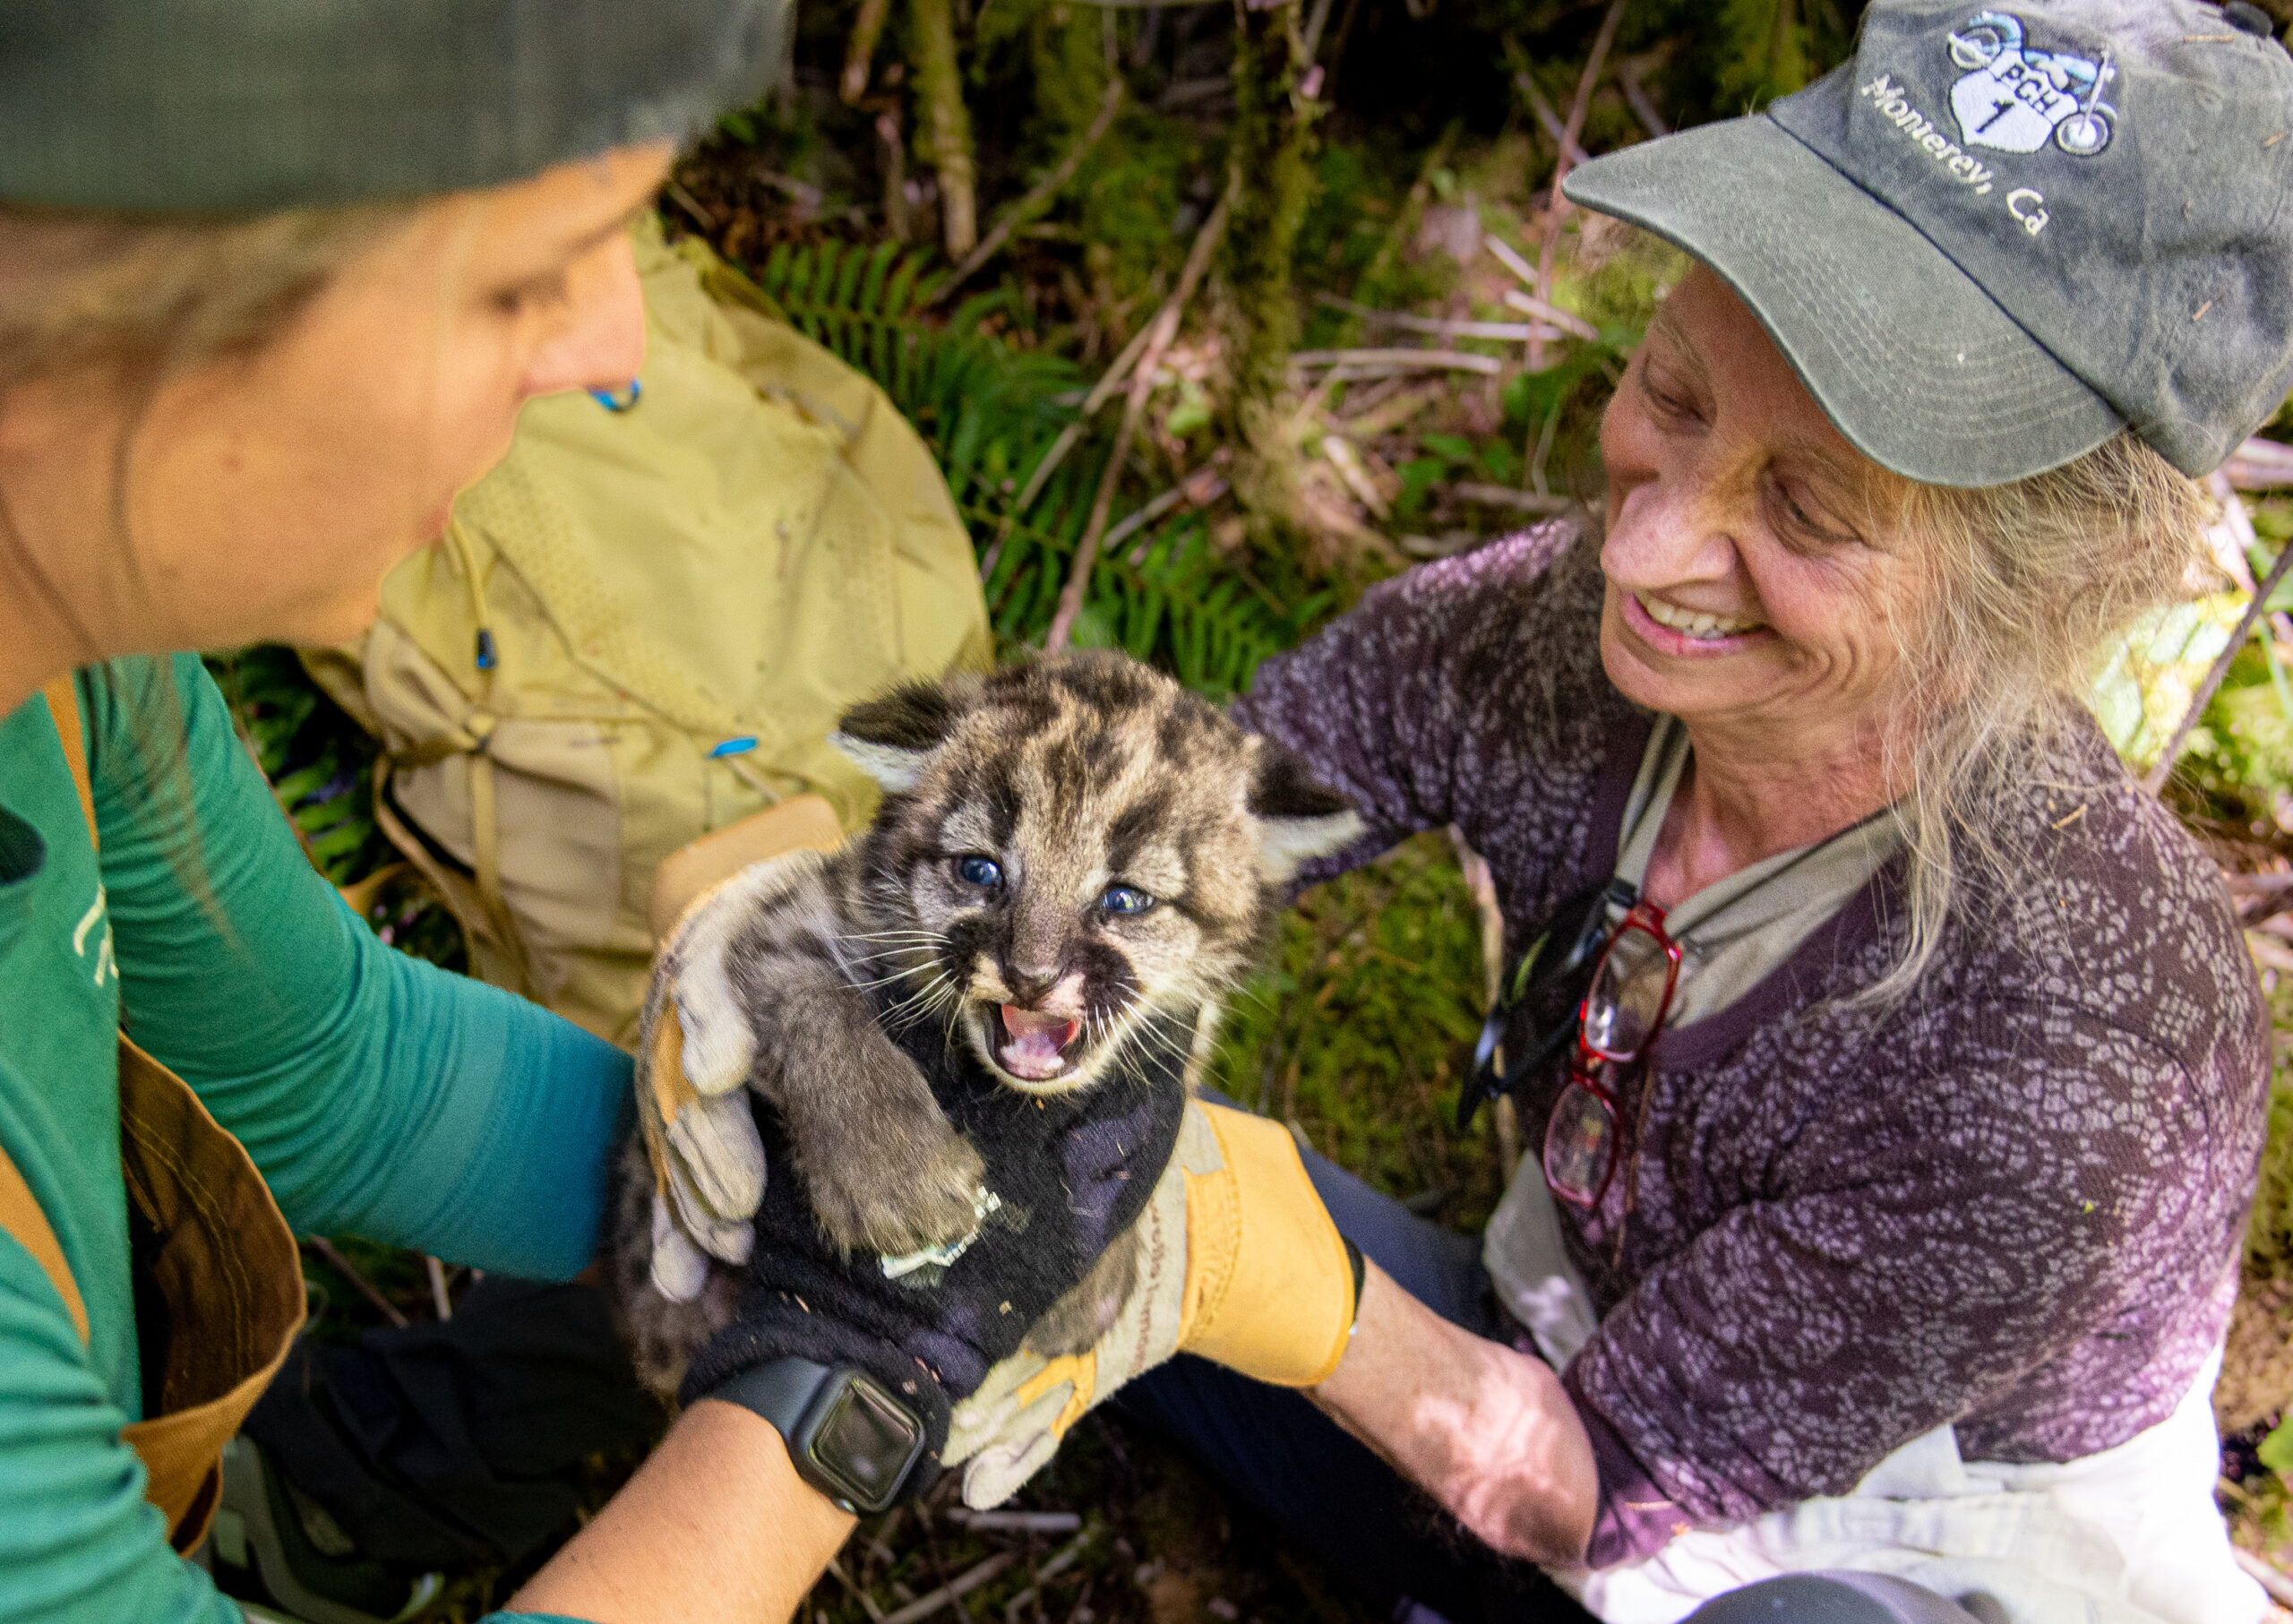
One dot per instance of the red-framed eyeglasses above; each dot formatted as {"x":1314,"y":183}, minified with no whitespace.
{"x":1623,"y":1010}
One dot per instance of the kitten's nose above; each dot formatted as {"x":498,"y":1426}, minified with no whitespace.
{"x":1030,"y":984}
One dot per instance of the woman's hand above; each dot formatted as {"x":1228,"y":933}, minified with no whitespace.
{"x":715,"y":1528}
{"x":1487,"y":1432}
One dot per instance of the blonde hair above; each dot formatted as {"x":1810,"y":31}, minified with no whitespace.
{"x":131,"y":300}
{"x":2028,"y":581}
{"x":138,"y":292}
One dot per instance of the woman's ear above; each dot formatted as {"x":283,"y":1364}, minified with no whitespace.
{"x":890,"y":738}
{"x":1297,"y":819}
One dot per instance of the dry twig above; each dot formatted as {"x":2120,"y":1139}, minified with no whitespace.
{"x":1549,"y":120}
{"x":1051,"y":1569}
{"x":2268,"y":1576}
{"x":859,"y":52}
{"x":1510,"y":332}
{"x":1556,"y":204}
{"x":2155,"y":780}
{"x":364,"y":1287}
{"x":970,"y":1579}
{"x":1506,"y":497}
{"x":1160,"y":334}
{"x":1400,"y":360}
{"x":1041,"y":193}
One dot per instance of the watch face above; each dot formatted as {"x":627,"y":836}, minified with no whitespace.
{"x":865,"y":1441}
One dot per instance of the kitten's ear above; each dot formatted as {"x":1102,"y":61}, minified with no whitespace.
{"x":890,"y":738}
{"x":1298,"y":821}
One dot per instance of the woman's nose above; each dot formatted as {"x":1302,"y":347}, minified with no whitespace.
{"x":602,"y":342}
{"x":1664,"y":535}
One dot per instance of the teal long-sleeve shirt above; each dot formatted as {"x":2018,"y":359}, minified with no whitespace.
{"x":377,"y":1095}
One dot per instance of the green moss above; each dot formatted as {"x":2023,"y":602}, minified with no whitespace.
{"x":1362,"y":1027}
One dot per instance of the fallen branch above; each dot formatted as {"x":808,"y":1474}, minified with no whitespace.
{"x":2260,"y":465}
{"x":1513,"y":332}
{"x":1637,"y":96}
{"x":939,"y":83}
{"x":1413,"y":360}
{"x":2279,"y":1586}
{"x":1061,"y":1561}
{"x":1351,"y":469}
{"x":1557,"y":203}
{"x":342,"y":1266}
{"x":859,"y":52}
{"x":1528,"y":304}
{"x":964,"y":1583}
{"x":1040,"y":193}
{"x":866,"y":1599}
{"x":1506,"y":497}
{"x":1199,"y":489}
{"x":438,"y":1298}
{"x":1022,"y":1521}
{"x":1549,"y":120}
{"x":2155,"y":780}
{"x":1160,"y":335}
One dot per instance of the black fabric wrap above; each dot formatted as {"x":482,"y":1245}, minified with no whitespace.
{"x":1071,"y":1172}
{"x":235,"y":106}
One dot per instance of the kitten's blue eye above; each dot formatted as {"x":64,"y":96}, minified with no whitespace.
{"x":981,"y":872}
{"x":1126,"y":899}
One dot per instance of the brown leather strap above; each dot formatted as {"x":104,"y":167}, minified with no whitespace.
{"x":64,"y":706}
{"x":21,"y":1216}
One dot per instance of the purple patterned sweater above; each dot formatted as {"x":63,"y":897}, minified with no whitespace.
{"x":2013,"y":1203}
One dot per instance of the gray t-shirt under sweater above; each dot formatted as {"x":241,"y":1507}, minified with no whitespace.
{"x":2012,"y":1202}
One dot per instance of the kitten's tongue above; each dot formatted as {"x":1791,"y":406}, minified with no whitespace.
{"x":1033,"y":1040}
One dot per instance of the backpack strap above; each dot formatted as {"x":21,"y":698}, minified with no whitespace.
{"x":64,"y":706}
{"x":20,"y":1213}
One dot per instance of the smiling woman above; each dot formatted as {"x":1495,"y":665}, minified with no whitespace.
{"x":1897,"y":1061}
{"x":1842,"y":638}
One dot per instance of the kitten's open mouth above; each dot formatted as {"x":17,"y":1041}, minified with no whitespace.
{"x":1032,"y":1045}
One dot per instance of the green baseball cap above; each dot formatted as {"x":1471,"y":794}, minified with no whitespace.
{"x":2001,"y":235}
{"x":236,"y":107}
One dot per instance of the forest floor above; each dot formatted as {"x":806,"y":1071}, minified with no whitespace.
{"x":1424,"y":234}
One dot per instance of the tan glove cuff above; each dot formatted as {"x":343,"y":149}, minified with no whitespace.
{"x":1269,"y":1288}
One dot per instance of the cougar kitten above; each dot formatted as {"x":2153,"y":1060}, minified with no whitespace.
{"x":1075,"y":862}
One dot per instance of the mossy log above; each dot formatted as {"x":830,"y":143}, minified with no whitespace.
{"x":946,"y":123}
{"x":1269,"y":184}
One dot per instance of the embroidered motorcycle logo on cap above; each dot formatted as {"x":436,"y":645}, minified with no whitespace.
{"x":2017,"y":98}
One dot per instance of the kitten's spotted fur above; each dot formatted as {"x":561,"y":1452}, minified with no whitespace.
{"x":1075,"y":860}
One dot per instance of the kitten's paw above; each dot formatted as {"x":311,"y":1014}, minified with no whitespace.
{"x":895,"y":1203}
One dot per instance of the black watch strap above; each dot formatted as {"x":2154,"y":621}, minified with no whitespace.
{"x":848,"y":1436}
{"x":781,"y":1390}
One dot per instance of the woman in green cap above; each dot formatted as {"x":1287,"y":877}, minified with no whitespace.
{"x":1886,"y":1182}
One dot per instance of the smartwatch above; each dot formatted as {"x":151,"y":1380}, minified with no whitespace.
{"x":847,"y":1435}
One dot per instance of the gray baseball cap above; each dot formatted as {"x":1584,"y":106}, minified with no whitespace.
{"x":232,"y":107}
{"x":2000,"y":235}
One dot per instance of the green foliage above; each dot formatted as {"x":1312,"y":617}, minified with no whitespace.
{"x":990,"y":412}
{"x":1361,"y":1029}
{"x":319,"y":765}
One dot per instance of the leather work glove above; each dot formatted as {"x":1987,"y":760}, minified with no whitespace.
{"x":709,"y":1165}
{"x":1240,"y":1263}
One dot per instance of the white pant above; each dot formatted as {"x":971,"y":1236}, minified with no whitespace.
{"x":2127,"y":1536}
